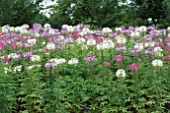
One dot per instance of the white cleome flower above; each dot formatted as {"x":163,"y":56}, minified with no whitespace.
{"x":24,"y":31}
{"x":17,"y":69}
{"x":18,"y":29}
{"x":157,"y":63}
{"x":138,"y":46}
{"x":51,"y":31}
{"x":118,"y":29}
{"x":149,"y":44}
{"x":50,"y":46}
{"x":86,"y":31}
{"x":142,"y":28}
{"x":99,"y":46}
{"x":107,"y":30}
{"x":120,"y":73}
{"x":80,"y":40}
{"x":158,"y":49}
{"x":64,"y":26}
{"x":168,"y":28}
{"x":135,"y":34}
{"x":25,"y":26}
{"x":5,"y":29}
{"x":31,"y":67}
{"x":36,"y":34}
{"x":73,"y":61}
{"x":121,"y":39}
{"x":107,"y":44}
{"x":47,"y":25}
{"x":12,"y":55}
{"x":70,"y":28}
{"x":31,"y":41}
{"x":6,"y":70}
{"x":35,"y":58}
{"x":12,"y":29}
{"x":58,"y":61}
{"x":91,"y":42}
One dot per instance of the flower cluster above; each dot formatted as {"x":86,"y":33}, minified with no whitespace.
{"x":23,"y":47}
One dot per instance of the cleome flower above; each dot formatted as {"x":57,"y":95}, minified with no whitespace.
{"x":50,"y":46}
{"x":107,"y":64}
{"x":7,"y":70}
{"x":107,"y":30}
{"x":58,"y":61}
{"x":121,"y":39}
{"x":35,"y":58}
{"x":118,"y":58}
{"x":73,"y":61}
{"x":17,"y":68}
{"x":89,"y":58}
{"x":31,"y":67}
{"x":14,"y":55}
{"x":91,"y":42}
{"x":81,"y":41}
{"x":107,"y":44}
{"x":32,"y":41}
{"x":134,"y":66}
{"x":167,"y":57}
{"x":157,"y":63}
{"x":50,"y":64}
{"x":120,"y":73}
{"x":138,"y":46}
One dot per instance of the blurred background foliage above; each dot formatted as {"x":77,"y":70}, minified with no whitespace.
{"x":97,"y":13}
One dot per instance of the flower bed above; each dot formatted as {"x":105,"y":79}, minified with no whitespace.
{"x":77,"y":69}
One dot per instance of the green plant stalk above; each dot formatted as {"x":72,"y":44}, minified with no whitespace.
{"x":102,"y":55}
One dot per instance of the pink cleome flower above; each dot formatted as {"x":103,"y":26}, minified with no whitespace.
{"x":118,"y":58}
{"x":106,"y":64}
{"x":14,"y":45}
{"x":2,"y":45}
{"x":134,"y":66}
{"x":168,"y":49}
{"x":167,"y":57}
{"x":99,"y":40}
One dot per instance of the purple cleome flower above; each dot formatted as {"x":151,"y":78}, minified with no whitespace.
{"x":50,"y":64}
{"x":89,"y":58}
{"x":121,"y":48}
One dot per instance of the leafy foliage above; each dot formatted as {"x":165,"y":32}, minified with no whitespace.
{"x":94,"y":12}
{"x":18,"y":12}
{"x":87,"y":86}
{"x":154,"y":9}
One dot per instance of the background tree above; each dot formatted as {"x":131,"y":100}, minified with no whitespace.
{"x":149,"y":9}
{"x":18,"y":12}
{"x":165,"y":22}
{"x":95,"y":12}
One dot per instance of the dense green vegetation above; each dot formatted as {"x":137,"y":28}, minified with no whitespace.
{"x":80,"y":70}
{"x":92,"y":67}
{"x":99,"y":13}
